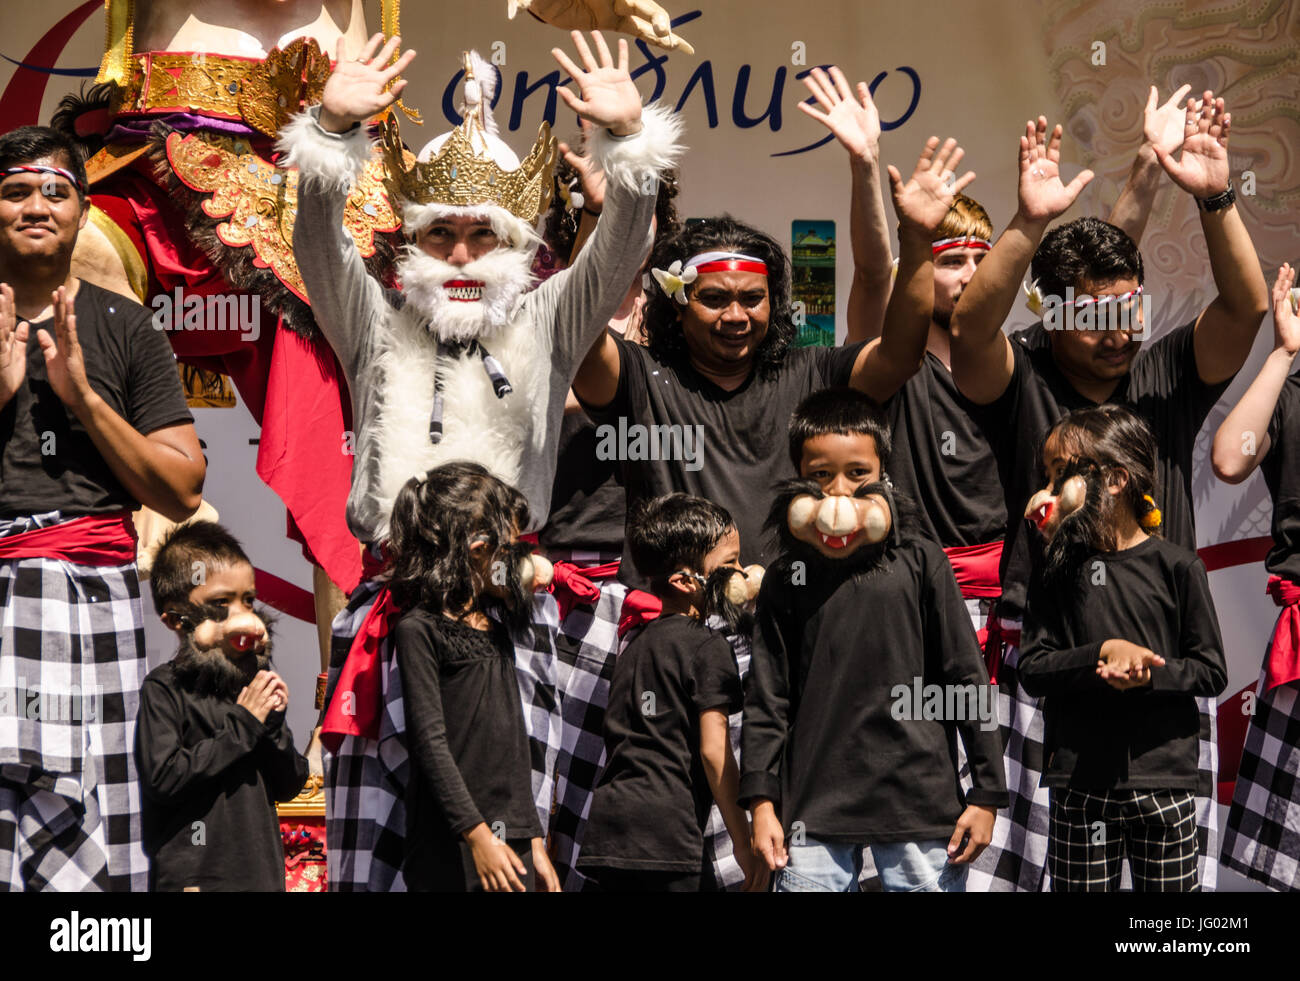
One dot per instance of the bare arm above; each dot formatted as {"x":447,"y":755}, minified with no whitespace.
{"x":1226,"y":328}
{"x":856,"y":124}
{"x":723,"y":775}
{"x":1242,"y":440}
{"x":982,"y":361}
{"x":1161,"y":126}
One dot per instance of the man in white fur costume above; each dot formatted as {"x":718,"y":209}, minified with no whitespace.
{"x":462,"y":363}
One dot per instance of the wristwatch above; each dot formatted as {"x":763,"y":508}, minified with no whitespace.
{"x":1218,"y":202}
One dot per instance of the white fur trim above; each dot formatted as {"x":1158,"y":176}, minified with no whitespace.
{"x":518,"y":233}
{"x":629,"y":160}
{"x":333,"y":159}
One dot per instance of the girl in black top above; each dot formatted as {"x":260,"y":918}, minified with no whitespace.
{"x":470,"y":819}
{"x":1120,"y":636}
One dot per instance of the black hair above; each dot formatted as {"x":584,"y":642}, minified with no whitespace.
{"x":436,"y":518}
{"x":27,"y":144}
{"x":561,"y":228}
{"x":662,"y":324}
{"x":1100,"y":440}
{"x":188,"y":550}
{"x":674,"y":532}
{"x":840,"y":411}
{"x":1086,"y":249}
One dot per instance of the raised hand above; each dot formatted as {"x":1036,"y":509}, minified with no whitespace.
{"x":65,"y":365}
{"x":923,"y":202}
{"x":1202,"y":168}
{"x":1162,"y":126}
{"x":355,"y":91}
{"x":609,"y":97}
{"x":1286,"y":325}
{"x":13,"y":346}
{"x":644,"y":19}
{"x":855,"y":122}
{"x":1042,"y":195}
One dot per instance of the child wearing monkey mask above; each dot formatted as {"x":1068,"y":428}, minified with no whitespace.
{"x":1120,"y":635}
{"x":213,"y":751}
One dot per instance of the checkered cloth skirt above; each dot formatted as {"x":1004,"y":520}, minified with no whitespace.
{"x":1262,"y":839}
{"x":72,"y":662}
{"x":366,"y":779}
{"x":1016,"y":859}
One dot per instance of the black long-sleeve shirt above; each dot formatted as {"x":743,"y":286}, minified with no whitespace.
{"x":202,"y":758}
{"x":465,"y":731}
{"x":832,"y":730}
{"x":1156,"y":595}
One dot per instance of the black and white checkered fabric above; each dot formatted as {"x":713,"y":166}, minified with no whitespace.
{"x":72,"y":660}
{"x":1262,"y":838}
{"x":1091,"y":834}
{"x":366,"y":779}
{"x":1016,"y":859}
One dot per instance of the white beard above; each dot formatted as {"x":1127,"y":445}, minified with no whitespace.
{"x":504,"y":272}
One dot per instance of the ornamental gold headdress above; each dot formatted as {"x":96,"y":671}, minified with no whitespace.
{"x":471,"y":165}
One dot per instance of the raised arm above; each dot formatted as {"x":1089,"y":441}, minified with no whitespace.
{"x":856,"y":124}
{"x":921,"y":204}
{"x":328,"y":145}
{"x":1226,"y":329}
{"x":1242,"y":440}
{"x":1162,"y":126}
{"x":982,"y":361}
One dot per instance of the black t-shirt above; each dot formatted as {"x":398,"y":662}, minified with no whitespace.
{"x":588,"y":502}
{"x":727,"y":447}
{"x":942,"y":460}
{"x":466,"y":736}
{"x":1281,"y":469}
{"x":652,"y":800}
{"x":1155,"y":594}
{"x":1162,"y":386}
{"x":202,"y":758}
{"x":47,"y":459}
{"x":825,"y":736}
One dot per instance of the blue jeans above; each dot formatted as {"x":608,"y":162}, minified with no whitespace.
{"x":913,"y":866}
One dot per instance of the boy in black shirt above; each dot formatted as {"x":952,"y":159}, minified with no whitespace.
{"x":864,"y":667}
{"x":668,"y":753}
{"x":213,"y":751}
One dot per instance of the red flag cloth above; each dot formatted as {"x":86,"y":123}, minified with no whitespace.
{"x":96,"y":539}
{"x":574,"y":584}
{"x":976,"y":570}
{"x":1283,"y":665}
{"x":638,"y":607}
{"x":358,"y":697}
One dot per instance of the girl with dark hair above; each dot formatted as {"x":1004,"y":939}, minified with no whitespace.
{"x":1120,"y":635}
{"x":464,"y":579}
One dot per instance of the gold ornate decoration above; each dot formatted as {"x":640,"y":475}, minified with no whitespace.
{"x":462,"y":175}
{"x":281,"y":85}
{"x":259,"y":201}
{"x":119,"y":38}
{"x":310,"y":801}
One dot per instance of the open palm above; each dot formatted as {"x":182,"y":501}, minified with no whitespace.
{"x":855,"y":122}
{"x":357,"y":90}
{"x":13,"y":346}
{"x":607,"y":95}
{"x":923,"y":202}
{"x":1286,"y":325}
{"x":1042,"y":194}
{"x":1202,"y":168}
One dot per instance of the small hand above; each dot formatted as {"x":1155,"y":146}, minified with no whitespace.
{"x":1041,"y":193}
{"x":755,"y":868}
{"x":590,"y":177}
{"x":855,"y":122}
{"x":547,"y":879}
{"x":1124,"y":665}
{"x":13,"y":346}
{"x":65,"y":365}
{"x":923,"y":202}
{"x":258,"y":696}
{"x":1202,"y":170}
{"x":355,"y":90}
{"x":1286,"y":325}
{"x":609,"y":97}
{"x":499,"y":868}
{"x":767,"y":837}
{"x":975,"y":826}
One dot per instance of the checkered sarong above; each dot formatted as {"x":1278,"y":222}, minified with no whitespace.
{"x":366,"y":779}
{"x":69,"y":794}
{"x":1016,"y":859}
{"x":1262,"y":839}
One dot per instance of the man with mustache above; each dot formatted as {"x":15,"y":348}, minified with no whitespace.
{"x":213,"y":750}
{"x":460,"y":363}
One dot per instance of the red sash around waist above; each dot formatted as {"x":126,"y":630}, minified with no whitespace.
{"x":96,"y":539}
{"x":1283,"y":664}
{"x":976,"y":569}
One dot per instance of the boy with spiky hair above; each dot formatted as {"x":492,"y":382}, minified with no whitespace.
{"x":212,"y":748}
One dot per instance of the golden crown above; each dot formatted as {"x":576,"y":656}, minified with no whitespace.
{"x":464,"y":173}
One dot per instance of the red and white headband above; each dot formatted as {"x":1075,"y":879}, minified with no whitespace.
{"x":674,"y":280}
{"x":968,"y":242}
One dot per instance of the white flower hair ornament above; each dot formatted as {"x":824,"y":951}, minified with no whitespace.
{"x":673,"y":281}
{"x":1034,"y":298}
